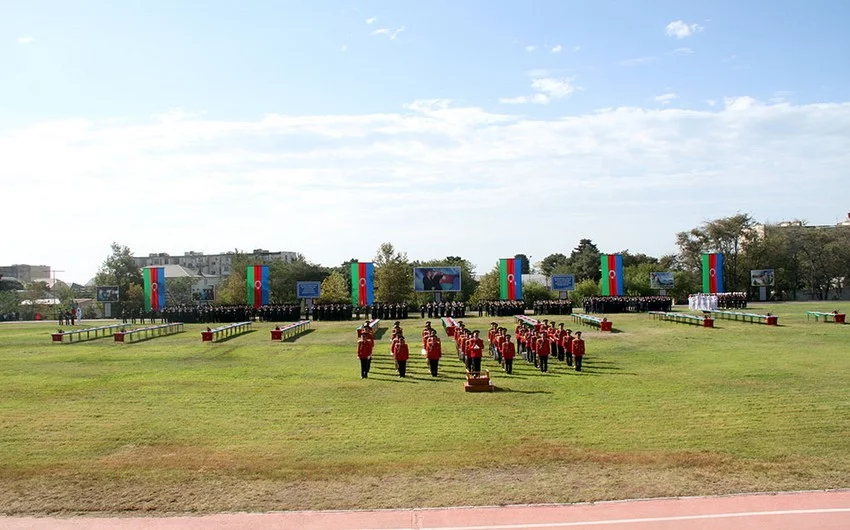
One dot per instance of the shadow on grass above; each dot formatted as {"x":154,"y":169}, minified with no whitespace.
{"x":504,"y":389}
{"x":151,"y":338}
{"x":236,"y":336}
{"x":296,"y":337}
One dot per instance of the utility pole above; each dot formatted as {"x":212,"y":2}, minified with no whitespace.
{"x":53,"y":293}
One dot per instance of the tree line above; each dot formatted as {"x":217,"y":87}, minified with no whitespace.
{"x":810,"y":260}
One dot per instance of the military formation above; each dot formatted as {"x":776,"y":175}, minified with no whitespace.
{"x":501,"y":308}
{"x":626,"y":304}
{"x":553,"y":307}
{"x":443,"y":309}
{"x":329,"y":312}
{"x":536,"y":342}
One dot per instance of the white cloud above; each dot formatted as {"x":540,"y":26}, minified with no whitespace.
{"x":557,"y":48}
{"x":25,"y":40}
{"x":343,"y":48}
{"x":665,"y":99}
{"x":576,"y":48}
{"x":546,"y":89}
{"x":711,"y":102}
{"x":554,"y":88}
{"x":392,"y":34}
{"x":680,"y":29}
{"x":371,"y":20}
{"x":530,"y":48}
{"x":739,"y":103}
{"x":682,"y":51}
{"x":637,"y":61}
{"x":210,"y":176}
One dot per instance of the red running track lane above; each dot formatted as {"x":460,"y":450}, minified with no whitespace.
{"x":823,"y":510}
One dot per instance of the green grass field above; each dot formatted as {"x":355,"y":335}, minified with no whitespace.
{"x":174,"y":425}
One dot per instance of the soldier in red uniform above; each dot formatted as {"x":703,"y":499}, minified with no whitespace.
{"x":578,"y":350}
{"x":475,"y":348}
{"x":567,"y":342}
{"x":433,"y":352}
{"x":364,"y":352}
{"x":543,"y":352}
{"x":508,"y":354}
{"x":426,"y":334}
{"x":400,"y":354}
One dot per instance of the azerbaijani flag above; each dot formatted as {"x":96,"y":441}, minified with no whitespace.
{"x":257,"y":285}
{"x":712,"y":273}
{"x":510,"y":279}
{"x":612,"y":274}
{"x":154,"y":278}
{"x":362,"y":283}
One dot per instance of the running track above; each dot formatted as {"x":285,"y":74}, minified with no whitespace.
{"x":822,"y":510}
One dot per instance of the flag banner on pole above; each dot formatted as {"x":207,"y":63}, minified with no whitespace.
{"x":712,"y":273}
{"x":154,"y":278}
{"x":612,"y":274}
{"x":257,"y":285}
{"x":510,"y":279}
{"x":362,"y":283}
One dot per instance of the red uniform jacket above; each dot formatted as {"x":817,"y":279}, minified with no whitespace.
{"x":401,"y":352}
{"x":578,"y":347}
{"x":543,"y":346}
{"x":508,"y":351}
{"x":364,"y":347}
{"x":475,"y":348}
{"x":567,"y":343}
{"x":434,"y":349}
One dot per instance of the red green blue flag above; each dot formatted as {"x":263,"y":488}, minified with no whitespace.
{"x":362,"y":283}
{"x":712,"y":273}
{"x":612,"y":274}
{"x":257,"y":285}
{"x":154,"y":278}
{"x":510,"y":279}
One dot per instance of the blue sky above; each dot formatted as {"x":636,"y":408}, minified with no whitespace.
{"x":364,"y":122}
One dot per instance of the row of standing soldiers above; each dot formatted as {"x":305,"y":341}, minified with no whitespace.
{"x":330,"y":312}
{"x":626,"y":304}
{"x":542,"y":339}
{"x":443,"y":309}
{"x":732,"y":301}
{"x":399,"y":349}
{"x":206,"y":314}
{"x":553,"y":307}
{"x":501,"y":308}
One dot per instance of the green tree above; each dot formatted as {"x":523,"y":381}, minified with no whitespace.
{"x":135,"y":298}
{"x":335,"y":289}
{"x":10,"y":302}
{"x":488,"y":287}
{"x":636,"y":279}
{"x":393,"y":275}
{"x":233,"y":290}
{"x":532,"y":292}
{"x":119,"y":269}
{"x":584,"y":288}
{"x":552,"y":262}
{"x":584,"y":261}
{"x":729,"y":236}
{"x":179,"y":290}
{"x":284,"y":277}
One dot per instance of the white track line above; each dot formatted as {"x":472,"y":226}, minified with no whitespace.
{"x":634,"y":521}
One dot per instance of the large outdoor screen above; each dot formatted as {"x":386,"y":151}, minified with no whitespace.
{"x":106,"y":293}
{"x":430,"y":279}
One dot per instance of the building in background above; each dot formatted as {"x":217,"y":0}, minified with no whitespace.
{"x":26,"y":273}
{"x":210,"y":264}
